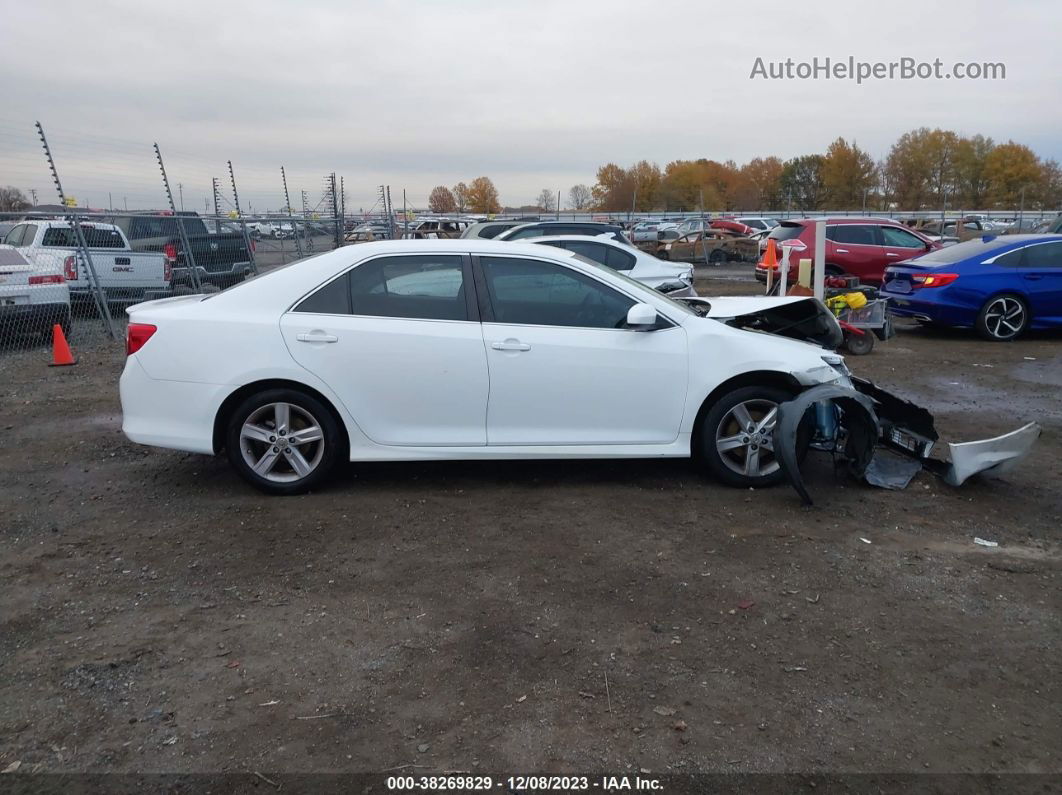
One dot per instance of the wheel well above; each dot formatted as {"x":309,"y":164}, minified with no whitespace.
{"x":221,"y":421}
{"x":771,"y":378}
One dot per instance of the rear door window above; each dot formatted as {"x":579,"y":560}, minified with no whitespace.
{"x":853,"y":234}
{"x":1043,"y":255}
{"x":429,"y":287}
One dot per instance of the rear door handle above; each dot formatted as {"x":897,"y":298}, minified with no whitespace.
{"x":510,"y":345}
{"x":1033,"y":277}
{"x":890,"y":254}
{"x":842,"y":251}
{"x":316,"y":336}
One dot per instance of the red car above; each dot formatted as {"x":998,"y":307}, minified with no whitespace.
{"x":861,"y":247}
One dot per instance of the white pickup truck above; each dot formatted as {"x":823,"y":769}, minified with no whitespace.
{"x":126,"y":276}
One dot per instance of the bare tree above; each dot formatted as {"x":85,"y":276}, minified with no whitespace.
{"x":581,"y":197}
{"x":12,"y":200}
{"x":547,"y":200}
{"x":461,"y":196}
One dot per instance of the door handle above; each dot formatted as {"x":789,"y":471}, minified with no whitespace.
{"x":316,"y":336}
{"x":510,"y":345}
{"x":842,"y":251}
{"x":1033,"y":277}
{"x":890,"y":254}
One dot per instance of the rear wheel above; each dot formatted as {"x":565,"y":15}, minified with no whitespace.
{"x":717,"y":257}
{"x":283,"y":441}
{"x":1003,"y":318}
{"x":736,"y":439}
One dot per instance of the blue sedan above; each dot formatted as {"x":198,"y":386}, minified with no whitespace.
{"x":1000,"y":286}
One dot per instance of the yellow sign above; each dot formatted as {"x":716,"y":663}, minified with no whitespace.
{"x":70,"y":201}
{"x":233,"y":214}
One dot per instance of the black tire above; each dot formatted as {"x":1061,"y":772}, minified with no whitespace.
{"x":833,"y":270}
{"x":717,"y":257}
{"x":282,"y":478}
{"x":719,"y":422}
{"x":662,"y":254}
{"x":995,"y":321}
{"x":859,"y":344}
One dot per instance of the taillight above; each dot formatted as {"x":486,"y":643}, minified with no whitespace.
{"x":170,"y":251}
{"x":51,"y":278}
{"x":136,"y":336}
{"x":70,"y":269}
{"x":933,"y":279}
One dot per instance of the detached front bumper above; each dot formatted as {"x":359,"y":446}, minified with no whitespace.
{"x":884,"y":439}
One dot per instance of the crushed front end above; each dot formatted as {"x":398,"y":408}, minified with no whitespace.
{"x":883,"y":439}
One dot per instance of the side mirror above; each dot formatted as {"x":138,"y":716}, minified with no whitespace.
{"x":641,"y":317}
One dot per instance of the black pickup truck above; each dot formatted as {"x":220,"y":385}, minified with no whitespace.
{"x":221,"y":258}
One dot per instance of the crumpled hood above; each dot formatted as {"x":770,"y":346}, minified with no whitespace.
{"x":797,"y":317}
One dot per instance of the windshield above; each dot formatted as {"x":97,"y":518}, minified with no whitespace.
{"x":637,"y":287}
{"x":960,"y":251}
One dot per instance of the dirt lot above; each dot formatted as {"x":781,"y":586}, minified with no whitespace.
{"x":158,"y":615}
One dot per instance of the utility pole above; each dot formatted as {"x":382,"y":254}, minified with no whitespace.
{"x":180,"y":192}
{"x":33,"y":193}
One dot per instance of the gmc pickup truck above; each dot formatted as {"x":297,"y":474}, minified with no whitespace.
{"x":221,"y":259}
{"x":126,"y":276}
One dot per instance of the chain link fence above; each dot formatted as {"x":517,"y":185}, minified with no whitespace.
{"x":80,"y":270}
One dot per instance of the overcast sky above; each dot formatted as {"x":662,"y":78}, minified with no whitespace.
{"x":532,"y":94}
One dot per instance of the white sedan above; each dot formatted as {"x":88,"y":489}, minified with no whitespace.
{"x":671,"y":278}
{"x":464,"y":349}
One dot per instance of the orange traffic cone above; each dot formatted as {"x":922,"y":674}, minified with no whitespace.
{"x":770,"y":256}
{"x":61,"y":355}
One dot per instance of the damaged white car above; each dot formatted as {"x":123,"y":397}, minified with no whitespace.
{"x":477,"y":349}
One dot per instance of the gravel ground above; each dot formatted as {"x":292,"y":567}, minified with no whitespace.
{"x":158,"y":615}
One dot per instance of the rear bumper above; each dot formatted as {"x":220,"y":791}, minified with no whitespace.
{"x":224,"y":273}
{"x":178,"y":415}
{"x":34,"y":316}
{"x":914,"y":306}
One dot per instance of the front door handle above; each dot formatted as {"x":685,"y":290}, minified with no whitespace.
{"x":316,"y":336}
{"x":890,"y":254}
{"x":1033,"y":277}
{"x":510,"y":345}
{"x":842,"y":251}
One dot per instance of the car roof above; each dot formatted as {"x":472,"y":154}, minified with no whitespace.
{"x":839,"y":220}
{"x":606,"y":239}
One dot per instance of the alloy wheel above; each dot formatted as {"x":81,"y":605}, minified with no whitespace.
{"x":282,"y":442}
{"x":745,"y":438}
{"x":1005,"y":317}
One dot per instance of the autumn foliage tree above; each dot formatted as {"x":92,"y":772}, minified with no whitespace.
{"x":848,"y":174}
{"x":483,"y":196}
{"x":442,"y":200}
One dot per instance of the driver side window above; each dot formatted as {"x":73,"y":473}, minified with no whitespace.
{"x":535,"y":293}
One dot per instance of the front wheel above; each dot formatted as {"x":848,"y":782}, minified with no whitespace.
{"x":736,"y":439}
{"x":283,"y":441}
{"x":1003,"y":318}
